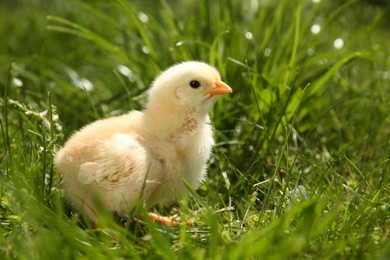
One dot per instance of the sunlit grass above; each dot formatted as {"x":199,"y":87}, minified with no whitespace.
{"x":301,"y":163}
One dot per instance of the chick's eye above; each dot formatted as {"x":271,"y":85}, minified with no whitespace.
{"x":194,"y":84}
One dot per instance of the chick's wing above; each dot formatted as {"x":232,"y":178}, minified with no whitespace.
{"x":123,"y":164}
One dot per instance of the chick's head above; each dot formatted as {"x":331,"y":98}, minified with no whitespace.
{"x":188,"y":86}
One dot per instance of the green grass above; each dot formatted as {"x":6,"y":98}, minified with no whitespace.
{"x":301,"y":164}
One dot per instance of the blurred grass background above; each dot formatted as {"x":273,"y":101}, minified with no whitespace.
{"x":301,"y":164}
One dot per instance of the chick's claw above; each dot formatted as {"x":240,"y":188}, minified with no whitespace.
{"x":168,"y":221}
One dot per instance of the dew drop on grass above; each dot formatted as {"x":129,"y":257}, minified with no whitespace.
{"x":315,"y":28}
{"x":338,"y":43}
{"x":248,"y":35}
{"x":143,"y":17}
{"x":322,"y":62}
{"x":17,"y":82}
{"x":267,"y":52}
{"x":81,"y":83}
{"x":85,"y":84}
{"x":145,"y":50}
{"x":126,"y":71}
{"x":307,"y":170}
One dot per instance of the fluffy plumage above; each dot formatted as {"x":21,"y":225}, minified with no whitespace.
{"x":111,"y":163}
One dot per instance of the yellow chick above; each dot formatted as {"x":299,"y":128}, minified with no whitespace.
{"x":112,"y":163}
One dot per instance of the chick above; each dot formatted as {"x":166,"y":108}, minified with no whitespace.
{"x":113,"y":163}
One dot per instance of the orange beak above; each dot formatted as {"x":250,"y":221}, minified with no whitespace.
{"x":220,"y":88}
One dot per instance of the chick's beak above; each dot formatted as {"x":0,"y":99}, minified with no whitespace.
{"x":220,"y":88}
